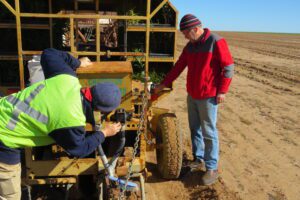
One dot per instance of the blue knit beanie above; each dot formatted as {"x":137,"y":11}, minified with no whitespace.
{"x":189,"y":21}
{"x":105,"y":96}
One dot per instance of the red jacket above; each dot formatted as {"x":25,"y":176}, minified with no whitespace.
{"x":210,"y":66}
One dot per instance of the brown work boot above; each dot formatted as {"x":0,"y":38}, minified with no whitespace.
{"x":196,"y":164}
{"x":210,"y":177}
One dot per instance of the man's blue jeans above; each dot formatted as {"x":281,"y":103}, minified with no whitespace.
{"x":202,"y":115}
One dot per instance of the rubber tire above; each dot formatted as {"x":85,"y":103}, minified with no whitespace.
{"x":170,"y":147}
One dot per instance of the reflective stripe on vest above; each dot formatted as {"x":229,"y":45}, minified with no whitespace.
{"x":23,"y":106}
{"x":27,"y":117}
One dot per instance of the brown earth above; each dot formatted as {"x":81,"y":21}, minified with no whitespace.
{"x":258,"y":125}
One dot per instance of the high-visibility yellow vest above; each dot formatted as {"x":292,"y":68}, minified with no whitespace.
{"x":27,"y":117}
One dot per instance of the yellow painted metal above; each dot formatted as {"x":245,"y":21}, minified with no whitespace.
{"x":119,"y":73}
{"x":142,"y":142}
{"x":90,"y":53}
{"x":155,"y":113}
{"x":71,"y":167}
{"x":98,"y":36}
{"x":158,"y":8}
{"x":176,"y":32}
{"x":19,"y":42}
{"x":97,"y":40}
{"x":111,"y":67}
{"x":50,"y":23}
{"x":66,"y":167}
{"x":51,"y":181}
{"x":97,"y":16}
{"x":8,"y":6}
{"x":161,"y":59}
{"x":152,"y":29}
{"x":72,"y":35}
{"x":81,"y":16}
{"x":129,"y":126}
{"x":109,"y":53}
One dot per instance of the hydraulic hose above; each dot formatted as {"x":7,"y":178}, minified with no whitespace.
{"x":110,"y":165}
{"x":120,"y":147}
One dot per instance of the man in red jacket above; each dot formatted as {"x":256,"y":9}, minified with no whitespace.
{"x":210,"y":70}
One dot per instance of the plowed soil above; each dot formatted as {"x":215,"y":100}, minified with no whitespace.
{"x":258,"y":125}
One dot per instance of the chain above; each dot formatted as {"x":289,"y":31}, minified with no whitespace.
{"x":136,"y":144}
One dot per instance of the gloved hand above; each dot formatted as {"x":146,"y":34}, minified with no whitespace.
{"x":111,"y":129}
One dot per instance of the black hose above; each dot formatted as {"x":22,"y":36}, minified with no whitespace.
{"x":120,"y":147}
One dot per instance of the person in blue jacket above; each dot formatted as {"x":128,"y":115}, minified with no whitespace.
{"x":55,"y":110}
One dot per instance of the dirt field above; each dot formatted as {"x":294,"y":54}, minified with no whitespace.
{"x":258,"y":125}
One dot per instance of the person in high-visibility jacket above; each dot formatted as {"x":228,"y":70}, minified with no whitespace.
{"x":54,"y":110}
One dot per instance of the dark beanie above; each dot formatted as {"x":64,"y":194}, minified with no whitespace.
{"x":106,"y":96}
{"x":189,"y":21}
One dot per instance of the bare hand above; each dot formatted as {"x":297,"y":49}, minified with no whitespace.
{"x":111,"y":129}
{"x":159,"y":88}
{"x":220,"y":98}
{"x":84,"y":62}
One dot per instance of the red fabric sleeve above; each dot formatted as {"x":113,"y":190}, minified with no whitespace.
{"x":177,"y":69}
